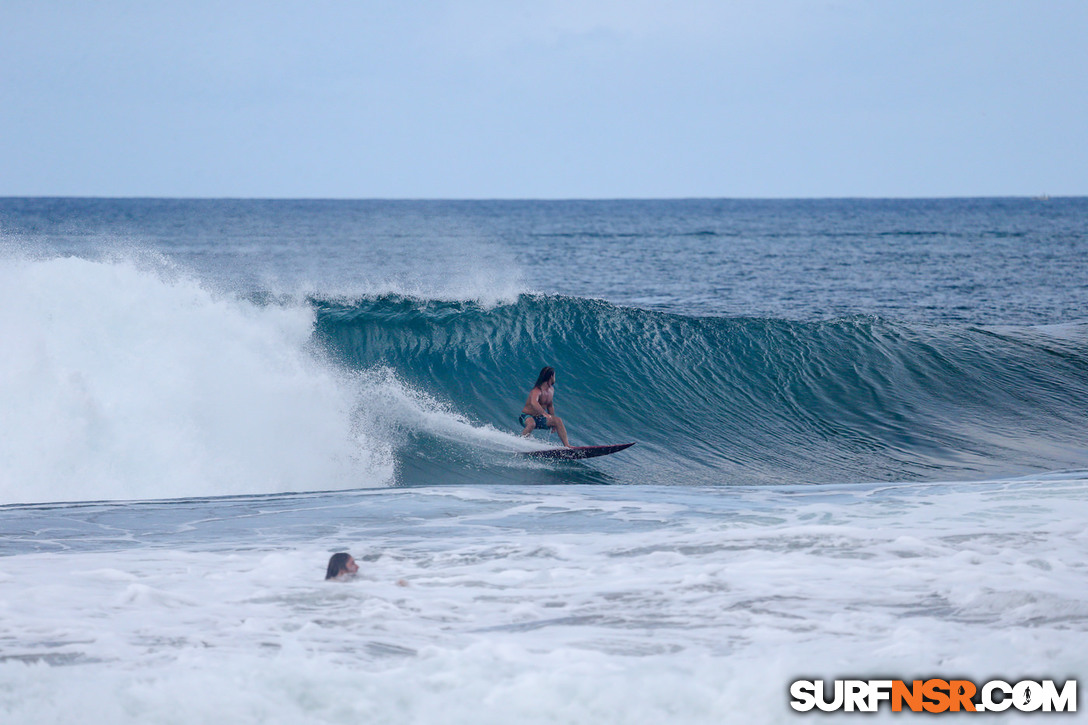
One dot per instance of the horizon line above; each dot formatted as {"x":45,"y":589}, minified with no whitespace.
{"x":557,"y":199}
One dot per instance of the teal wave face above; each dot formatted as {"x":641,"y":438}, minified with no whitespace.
{"x":715,"y":400}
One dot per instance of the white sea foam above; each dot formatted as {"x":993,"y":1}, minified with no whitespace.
{"x":396,"y":410}
{"x":120,"y":381}
{"x":557,"y":604}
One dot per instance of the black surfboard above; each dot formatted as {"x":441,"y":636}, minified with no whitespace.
{"x":578,"y":452}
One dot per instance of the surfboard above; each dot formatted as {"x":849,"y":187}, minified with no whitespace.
{"x":576,"y":453}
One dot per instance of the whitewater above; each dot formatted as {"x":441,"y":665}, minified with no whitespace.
{"x":860,"y":430}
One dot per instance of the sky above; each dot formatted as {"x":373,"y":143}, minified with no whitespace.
{"x":566,"y":99}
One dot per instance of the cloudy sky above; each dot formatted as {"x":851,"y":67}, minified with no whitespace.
{"x":564,"y":99}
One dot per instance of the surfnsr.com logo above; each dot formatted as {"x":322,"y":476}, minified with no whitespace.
{"x":933,"y":695}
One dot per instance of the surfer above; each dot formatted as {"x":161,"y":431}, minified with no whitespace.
{"x":539,"y":410}
{"x":341,"y":566}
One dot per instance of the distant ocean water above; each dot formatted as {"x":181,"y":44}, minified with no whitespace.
{"x":861,"y":448}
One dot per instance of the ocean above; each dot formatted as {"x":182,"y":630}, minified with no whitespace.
{"x":860,"y":430}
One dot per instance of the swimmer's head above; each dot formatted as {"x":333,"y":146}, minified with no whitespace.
{"x":340,"y":564}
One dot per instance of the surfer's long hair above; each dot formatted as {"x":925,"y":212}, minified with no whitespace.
{"x":545,"y":375}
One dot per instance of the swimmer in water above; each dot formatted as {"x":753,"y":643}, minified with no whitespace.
{"x":341,"y":566}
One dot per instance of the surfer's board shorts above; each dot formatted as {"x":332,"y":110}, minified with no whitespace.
{"x":541,"y":421}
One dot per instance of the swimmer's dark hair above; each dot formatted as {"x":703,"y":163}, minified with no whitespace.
{"x":545,"y":375}
{"x":336,"y":565}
